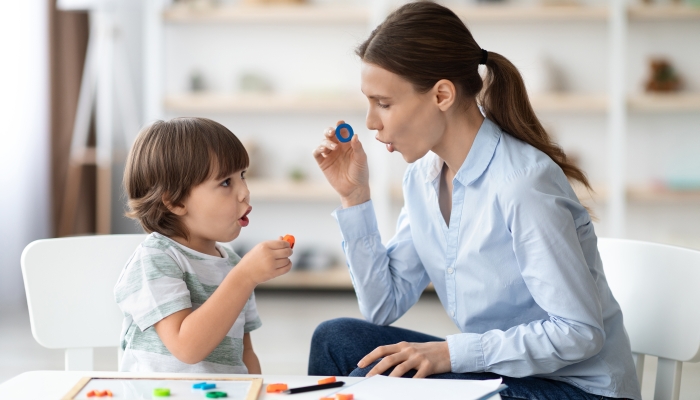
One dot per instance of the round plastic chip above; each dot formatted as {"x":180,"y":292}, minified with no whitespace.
{"x":340,"y":137}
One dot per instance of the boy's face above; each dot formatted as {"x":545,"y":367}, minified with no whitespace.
{"x":217,"y":209}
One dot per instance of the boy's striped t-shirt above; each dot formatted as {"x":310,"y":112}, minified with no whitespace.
{"x":161,"y":278}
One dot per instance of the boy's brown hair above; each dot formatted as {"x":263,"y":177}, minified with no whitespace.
{"x":168,"y":159}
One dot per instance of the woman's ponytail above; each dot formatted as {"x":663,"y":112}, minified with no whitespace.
{"x":505,"y":102}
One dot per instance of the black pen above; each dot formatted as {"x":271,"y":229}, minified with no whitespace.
{"x":314,"y":387}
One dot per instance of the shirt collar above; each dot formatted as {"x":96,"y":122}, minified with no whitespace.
{"x":477,"y":160}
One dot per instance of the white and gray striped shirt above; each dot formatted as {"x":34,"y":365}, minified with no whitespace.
{"x":161,"y":278}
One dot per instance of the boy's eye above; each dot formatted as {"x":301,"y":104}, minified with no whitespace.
{"x":226,"y":183}
{"x":243,"y":174}
{"x":383,"y":105}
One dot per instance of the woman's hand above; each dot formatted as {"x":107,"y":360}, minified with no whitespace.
{"x":345,"y":167}
{"x":426,"y":358}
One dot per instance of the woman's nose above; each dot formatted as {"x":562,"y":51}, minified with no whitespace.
{"x":373,"y":122}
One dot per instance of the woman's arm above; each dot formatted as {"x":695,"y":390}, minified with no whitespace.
{"x":388,"y":280}
{"x":250,"y":359}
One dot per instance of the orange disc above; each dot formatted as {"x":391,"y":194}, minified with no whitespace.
{"x":290,"y":239}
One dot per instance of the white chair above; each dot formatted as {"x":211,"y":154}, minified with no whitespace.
{"x":658,"y":288}
{"x":69,"y":284}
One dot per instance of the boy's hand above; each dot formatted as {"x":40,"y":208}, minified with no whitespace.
{"x":267,"y":260}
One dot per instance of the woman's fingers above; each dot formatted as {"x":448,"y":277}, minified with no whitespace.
{"x":386,"y":363}
{"x":376,"y":354}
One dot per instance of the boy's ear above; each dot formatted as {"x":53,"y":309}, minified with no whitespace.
{"x":178,"y":210}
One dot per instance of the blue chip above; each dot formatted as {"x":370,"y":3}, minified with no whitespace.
{"x":208,"y":386}
{"x":198,"y":385}
{"x":340,"y":137}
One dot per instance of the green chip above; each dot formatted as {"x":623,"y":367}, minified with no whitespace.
{"x":161,"y":392}
{"x":216,"y":395}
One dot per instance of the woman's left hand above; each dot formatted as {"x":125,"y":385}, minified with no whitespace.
{"x":426,"y":358}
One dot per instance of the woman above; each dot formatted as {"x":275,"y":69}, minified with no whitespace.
{"x":489,"y":218}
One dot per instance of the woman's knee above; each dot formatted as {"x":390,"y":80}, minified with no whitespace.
{"x":334,"y":329}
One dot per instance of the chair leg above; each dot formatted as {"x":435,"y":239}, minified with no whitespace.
{"x":668,"y":379}
{"x":639,"y":366}
{"x":79,"y":359}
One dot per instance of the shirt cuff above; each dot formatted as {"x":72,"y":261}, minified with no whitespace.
{"x":466,"y":354}
{"x":357,"y":221}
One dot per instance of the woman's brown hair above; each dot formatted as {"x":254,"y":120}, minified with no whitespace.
{"x":168,"y":159}
{"x":424,"y":42}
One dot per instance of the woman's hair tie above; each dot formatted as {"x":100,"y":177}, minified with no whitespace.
{"x":484,"y":57}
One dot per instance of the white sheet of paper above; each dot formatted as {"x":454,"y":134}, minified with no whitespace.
{"x":382,"y":387}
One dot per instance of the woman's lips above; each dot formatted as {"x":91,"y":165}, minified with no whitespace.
{"x":244,"y":221}
{"x":389,"y":145}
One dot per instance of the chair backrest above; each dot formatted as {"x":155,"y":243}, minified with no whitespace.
{"x":658,"y":288}
{"x":69,"y":283}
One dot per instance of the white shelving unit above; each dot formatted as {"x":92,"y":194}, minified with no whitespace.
{"x":617,"y":105}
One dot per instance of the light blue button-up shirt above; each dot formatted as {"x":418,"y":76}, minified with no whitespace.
{"x":517,"y":269}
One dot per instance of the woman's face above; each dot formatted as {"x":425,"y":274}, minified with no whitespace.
{"x":405,"y":120}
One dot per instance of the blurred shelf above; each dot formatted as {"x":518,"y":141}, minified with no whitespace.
{"x":569,"y":102}
{"x":183,"y":13}
{"x":665,"y":102}
{"x":509,"y":13}
{"x":599,"y":195}
{"x":266,"y":14}
{"x":231,"y":103}
{"x":664,"y":13}
{"x":280,"y":190}
{"x":334,"y":278}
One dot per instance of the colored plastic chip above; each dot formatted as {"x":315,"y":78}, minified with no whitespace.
{"x":327,"y":398}
{"x":290,"y":239}
{"x":330,"y":379}
{"x":208,"y":386}
{"x":276,"y":387}
{"x":92,"y":393}
{"x":161,"y":392}
{"x":344,"y":396}
{"x":198,"y":385}
{"x":216,"y":395}
{"x":338,"y":132}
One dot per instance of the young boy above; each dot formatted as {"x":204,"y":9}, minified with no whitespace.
{"x":186,"y":308}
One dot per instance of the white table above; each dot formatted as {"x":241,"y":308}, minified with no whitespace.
{"x":36,"y":385}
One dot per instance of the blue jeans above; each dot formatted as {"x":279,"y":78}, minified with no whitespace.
{"x":337,"y":346}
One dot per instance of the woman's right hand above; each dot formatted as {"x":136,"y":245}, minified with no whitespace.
{"x":345,"y":167}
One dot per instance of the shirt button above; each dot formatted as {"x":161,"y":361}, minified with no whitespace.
{"x":450,"y":270}
{"x":453,"y":313}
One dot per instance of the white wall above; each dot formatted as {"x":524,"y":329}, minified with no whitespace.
{"x":24,"y":138}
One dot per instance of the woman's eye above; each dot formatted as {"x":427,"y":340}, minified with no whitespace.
{"x":226,"y":183}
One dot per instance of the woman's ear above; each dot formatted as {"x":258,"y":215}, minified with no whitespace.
{"x":178,"y":210}
{"x":445,"y":94}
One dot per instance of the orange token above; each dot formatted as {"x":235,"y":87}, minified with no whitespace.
{"x":343,"y":396}
{"x":92,"y":393}
{"x":326,"y":398}
{"x":276,"y":387}
{"x":330,"y":379}
{"x":290,"y":239}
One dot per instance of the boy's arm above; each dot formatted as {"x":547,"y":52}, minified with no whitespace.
{"x":250,"y":359}
{"x":192,"y":335}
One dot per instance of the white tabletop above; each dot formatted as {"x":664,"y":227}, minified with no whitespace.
{"x":36,"y":385}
